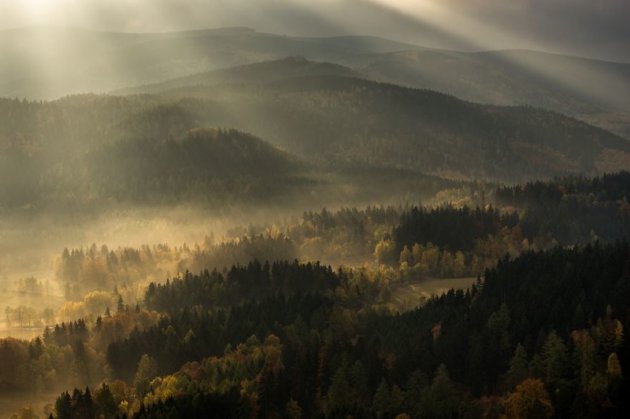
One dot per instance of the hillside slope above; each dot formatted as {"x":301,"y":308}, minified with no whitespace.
{"x":341,"y":119}
{"x":263,"y":72}
{"x":46,"y":63}
{"x":595,"y":91}
{"x":102,"y":150}
{"x":49,"y":62}
{"x":332,"y":122}
{"x":204,"y":165}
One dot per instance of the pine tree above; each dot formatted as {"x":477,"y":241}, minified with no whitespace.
{"x":63,"y":406}
{"x":518,"y":367}
{"x":381,"y":404}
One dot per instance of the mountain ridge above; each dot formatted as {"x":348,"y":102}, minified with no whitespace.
{"x":44,"y":64}
{"x":261,"y":72}
{"x":340,"y":121}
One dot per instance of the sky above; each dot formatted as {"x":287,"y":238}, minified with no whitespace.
{"x":593,"y":28}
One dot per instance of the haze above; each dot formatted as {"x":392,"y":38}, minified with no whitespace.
{"x":596,"y":29}
{"x":314,"y":209}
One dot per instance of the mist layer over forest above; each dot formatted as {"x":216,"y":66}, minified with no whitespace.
{"x":418,"y":210}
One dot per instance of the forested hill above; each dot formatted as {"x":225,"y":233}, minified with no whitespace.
{"x":210,"y":165}
{"x":350,"y":119}
{"x":105,"y":150}
{"x":586,"y":89}
{"x":79,"y":61}
{"x":335,"y":124}
{"x":263,"y":72}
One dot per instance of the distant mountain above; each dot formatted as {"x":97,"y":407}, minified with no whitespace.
{"x":346,"y":136}
{"x":98,"y":151}
{"x":207,"y":165}
{"x":340,"y":119}
{"x":595,"y":91}
{"x":263,"y":72}
{"x":43,"y":62}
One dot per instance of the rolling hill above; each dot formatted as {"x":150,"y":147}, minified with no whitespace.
{"x":333,"y":118}
{"x":204,"y":165}
{"x":46,"y":63}
{"x":595,"y":91}
{"x":49,"y":62}
{"x":343,"y":136}
{"x":263,"y":72}
{"x":99,"y":151}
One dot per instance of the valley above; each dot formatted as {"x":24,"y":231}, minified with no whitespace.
{"x":233,"y":223}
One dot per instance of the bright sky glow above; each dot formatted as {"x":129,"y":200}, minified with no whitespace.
{"x":580,"y":27}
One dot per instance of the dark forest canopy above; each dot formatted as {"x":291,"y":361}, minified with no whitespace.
{"x":450,"y":228}
{"x":573,"y":209}
{"x":607,"y":188}
{"x":323,"y":356}
{"x":270,"y":336}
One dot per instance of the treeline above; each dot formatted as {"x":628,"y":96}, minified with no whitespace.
{"x":444,"y":242}
{"x":23,"y":315}
{"x":68,"y":354}
{"x":99,"y":268}
{"x":441,"y":242}
{"x":343,"y":236}
{"x":347,"y":235}
{"x":266,"y":245}
{"x":241,"y":284}
{"x":606,"y":188}
{"x":450,"y":241}
{"x":485,"y":352}
{"x":450,"y":228}
{"x":573,"y":209}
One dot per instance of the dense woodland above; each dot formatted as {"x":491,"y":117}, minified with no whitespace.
{"x":253,"y":326}
{"x":314,"y":352}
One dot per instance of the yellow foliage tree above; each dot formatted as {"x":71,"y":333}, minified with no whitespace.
{"x":530,"y":400}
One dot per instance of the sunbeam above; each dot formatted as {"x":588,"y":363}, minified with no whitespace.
{"x":314,"y":209}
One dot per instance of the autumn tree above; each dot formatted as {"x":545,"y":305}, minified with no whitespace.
{"x":529,"y":400}
{"x":146,"y":371}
